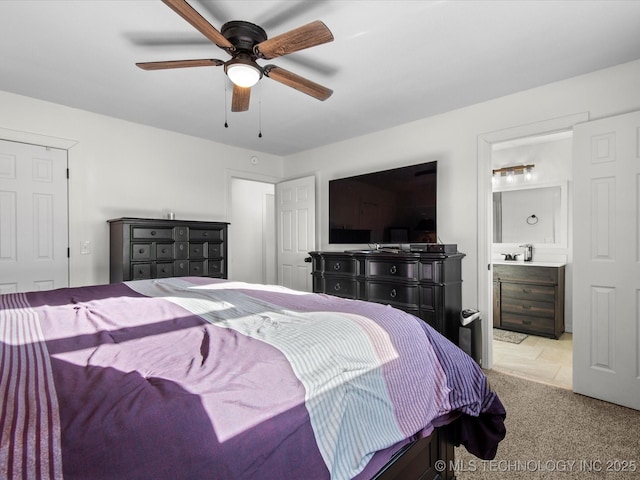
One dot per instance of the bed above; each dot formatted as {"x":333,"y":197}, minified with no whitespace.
{"x":200,"y":378}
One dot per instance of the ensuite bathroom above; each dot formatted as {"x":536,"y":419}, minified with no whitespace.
{"x":531,"y":257}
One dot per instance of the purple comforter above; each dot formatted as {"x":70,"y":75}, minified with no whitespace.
{"x":201,"y":378}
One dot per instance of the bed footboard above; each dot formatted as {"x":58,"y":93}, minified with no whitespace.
{"x":418,"y":459}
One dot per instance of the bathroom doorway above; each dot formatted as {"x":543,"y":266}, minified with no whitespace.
{"x":494,"y":150}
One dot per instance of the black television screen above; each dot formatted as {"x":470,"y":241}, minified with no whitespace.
{"x":387,"y":207}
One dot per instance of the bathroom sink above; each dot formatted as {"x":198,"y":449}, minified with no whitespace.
{"x":529,"y":264}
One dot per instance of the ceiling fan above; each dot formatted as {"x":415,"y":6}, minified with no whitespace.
{"x":246,"y":43}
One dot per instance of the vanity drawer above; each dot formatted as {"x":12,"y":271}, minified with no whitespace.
{"x":392,"y":293}
{"x":384,"y":268}
{"x":525,"y":274}
{"x":528,"y":292}
{"x":527,"y":307}
{"x":527,"y":323}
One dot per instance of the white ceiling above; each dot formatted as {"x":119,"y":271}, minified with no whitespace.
{"x":391,"y":62}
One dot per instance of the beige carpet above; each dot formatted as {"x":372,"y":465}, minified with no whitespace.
{"x":553,"y":433}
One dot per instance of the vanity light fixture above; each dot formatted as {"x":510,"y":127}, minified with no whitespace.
{"x":527,"y":174}
{"x":509,"y":172}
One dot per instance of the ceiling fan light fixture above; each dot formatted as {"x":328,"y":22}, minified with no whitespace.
{"x":243,"y":72}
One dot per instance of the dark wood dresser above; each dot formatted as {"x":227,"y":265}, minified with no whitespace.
{"x":143,"y":248}
{"x":427,"y":285}
{"x":529,"y":299}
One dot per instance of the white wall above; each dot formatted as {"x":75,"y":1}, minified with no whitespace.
{"x":124,"y":169}
{"x":452,"y":139}
{"x":121,"y":169}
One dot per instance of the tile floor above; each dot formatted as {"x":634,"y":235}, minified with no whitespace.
{"x":537,"y":358}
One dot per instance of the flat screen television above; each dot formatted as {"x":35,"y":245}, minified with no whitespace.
{"x":396,"y":206}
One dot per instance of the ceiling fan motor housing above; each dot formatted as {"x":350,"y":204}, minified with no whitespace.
{"x":243,"y":35}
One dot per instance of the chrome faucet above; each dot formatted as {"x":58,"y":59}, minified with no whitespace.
{"x":528,"y":252}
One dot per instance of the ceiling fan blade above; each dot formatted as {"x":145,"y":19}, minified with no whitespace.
{"x":240,"y":99}
{"x":205,"y":62}
{"x":288,"y":11}
{"x":296,"y":81}
{"x":309,"y":35}
{"x":186,"y":11}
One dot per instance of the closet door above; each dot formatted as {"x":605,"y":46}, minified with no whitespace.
{"x":33,"y":218}
{"x":606,"y":239}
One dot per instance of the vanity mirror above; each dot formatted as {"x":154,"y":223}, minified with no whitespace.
{"x":535,"y":214}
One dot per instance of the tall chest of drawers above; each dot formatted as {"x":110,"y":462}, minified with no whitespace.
{"x":529,"y":299}
{"x":150,"y":248}
{"x":427,"y":285}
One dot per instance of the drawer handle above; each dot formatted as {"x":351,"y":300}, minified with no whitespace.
{"x":164,"y":250}
{"x":337,"y":287}
{"x":393,"y":270}
{"x":526,"y":307}
{"x":205,"y":234}
{"x":526,"y":290}
{"x":153,"y":232}
{"x":336,"y":266}
{"x":141,"y":250}
{"x":393,"y":293}
{"x":526,"y":322}
{"x":181,"y":247}
{"x":196,"y":250}
{"x":195,"y":269}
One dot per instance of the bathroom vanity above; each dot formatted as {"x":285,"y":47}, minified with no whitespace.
{"x":528,"y":297}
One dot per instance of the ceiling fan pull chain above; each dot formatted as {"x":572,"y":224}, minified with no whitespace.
{"x":226,"y":125}
{"x":260,"y":113}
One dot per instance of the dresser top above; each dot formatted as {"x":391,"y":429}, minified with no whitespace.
{"x":162,"y":220}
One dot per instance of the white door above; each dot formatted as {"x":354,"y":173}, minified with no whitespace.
{"x":606,"y":305}
{"x":296,"y":224}
{"x":33,"y":218}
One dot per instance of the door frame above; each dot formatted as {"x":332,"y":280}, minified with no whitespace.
{"x":484,"y":217}
{"x":230,"y":174}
